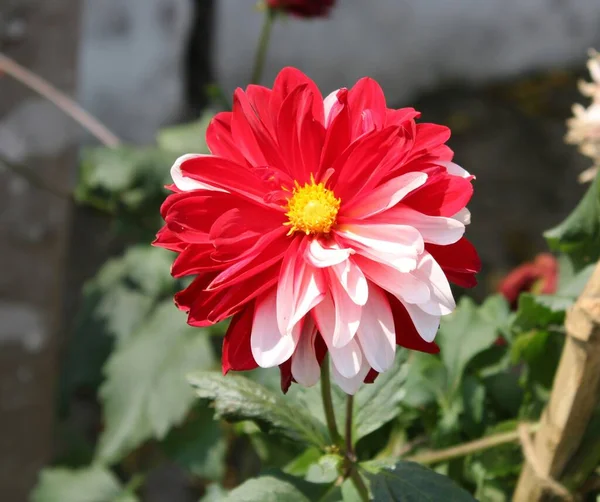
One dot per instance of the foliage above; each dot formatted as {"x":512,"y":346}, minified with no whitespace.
{"x":237,"y":437}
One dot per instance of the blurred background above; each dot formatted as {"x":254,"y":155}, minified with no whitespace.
{"x":500,"y":73}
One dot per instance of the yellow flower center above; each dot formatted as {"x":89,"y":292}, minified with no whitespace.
{"x":312,"y":209}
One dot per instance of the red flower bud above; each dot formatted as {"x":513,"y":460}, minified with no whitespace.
{"x":539,"y":276}
{"x":303,"y":8}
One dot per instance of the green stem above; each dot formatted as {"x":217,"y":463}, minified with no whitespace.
{"x":263,"y":44}
{"x":359,"y":484}
{"x":350,"y":457}
{"x":328,"y":403}
{"x":348,"y":432}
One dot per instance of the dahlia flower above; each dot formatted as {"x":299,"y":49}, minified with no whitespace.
{"x":303,"y":8}
{"x":320,"y":226}
{"x":584,"y":126}
{"x":539,"y":276}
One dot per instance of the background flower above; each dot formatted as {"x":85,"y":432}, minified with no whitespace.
{"x":303,"y":8}
{"x":539,"y":276}
{"x":584,"y":127}
{"x":321,"y":226}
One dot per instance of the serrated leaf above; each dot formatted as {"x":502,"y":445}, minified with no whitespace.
{"x":579,"y":234}
{"x":310,"y":399}
{"x":186,"y":138}
{"x":115,"y":171}
{"x":117,"y":300}
{"x":266,"y":489}
{"x":91,"y":484}
{"x":236,"y":398}
{"x":426,"y":381}
{"x":378,"y":403}
{"x":468,"y":331}
{"x":535,"y":313}
{"x":410,"y":482}
{"x":145,"y":393}
{"x":199,"y":445}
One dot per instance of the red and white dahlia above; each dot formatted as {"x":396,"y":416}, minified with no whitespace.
{"x":321,"y":226}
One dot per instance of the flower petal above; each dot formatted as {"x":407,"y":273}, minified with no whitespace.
{"x":237,"y":353}
{"x":352,"y":280}
{"x":186,"y":183}
{"x":337,"y":323}
{"x":376,"y":333}
{"x":426,"y":324}
{"x":305,"y":366}
{"x":301,"y":287}
{"x":269,"y":347}
{"x":404,"y":286}
{"x":385,"y":196}
{"x":464,"y":216}
{"x":441,"y":301}
{"x":325,"y":254}
{"x":396,"y":245}
{"x":350,"y":385}
{"x":455,"y":169}
{"x":435,"y":229}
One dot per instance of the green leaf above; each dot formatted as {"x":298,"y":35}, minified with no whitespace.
{"x":579,"y":234}
{"x":266,"y":489}
{"x":91,"y":484}
{"x":325,"y":470}
{"x":410,"y":482}
{"x":378,"y":403}
{"x":568,"y":291}
{"x":300,"y":465}
{"x":114,"y":172}
{"x":116,"y":302}
{"x":145,"y":393}
{"x":236,"y":398}
{"x":186,"y":138}
{"x":473,"y":393}
{"x":199,"y":445}
{"x":427,"y":380}
{"x":533,"y":312}
{"x":468,"y":331}
{"x":214,"y":493}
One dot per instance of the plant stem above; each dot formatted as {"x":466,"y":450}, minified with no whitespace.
{"x":59,"y":99}
{"x":359,"y":484}
{"x":350,"y":457}
{"x":263,"y":44}
{"x":348,"y":432}
{"x":462,"y":450}
{"x":328,"y":403}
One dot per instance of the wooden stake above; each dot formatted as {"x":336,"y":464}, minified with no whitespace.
{"x":575,"y":394}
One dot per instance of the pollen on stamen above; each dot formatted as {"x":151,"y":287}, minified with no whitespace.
{"x":312,"y":208}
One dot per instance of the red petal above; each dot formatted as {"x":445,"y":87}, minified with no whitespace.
{"x":286,"y":375}
{"x":338,"y":134}
{"x":220,"y":141}
{"x":300,"y":135}
{"x":442,"y":194}
{"x":253,"y":137}
{"x":399,"y":117}
{"x":366,"y":95}
{"x":225,"y":174}
{"x":167,"y":239}
{"x":237,"y":353}
{"x":459,"y":261}
{"x":209,"y":307}
{"x":286,"y":81}
{"x":406,"y":333}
